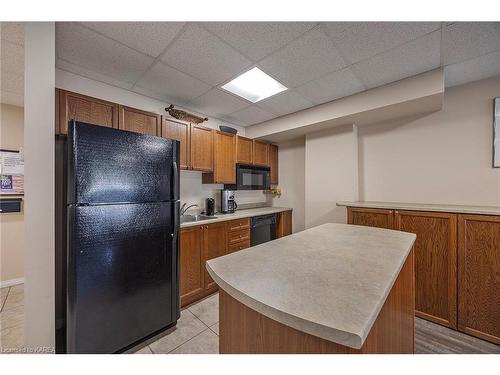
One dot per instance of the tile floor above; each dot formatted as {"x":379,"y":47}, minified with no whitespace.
{"x":198,"y":328}
{"x":11,"y":318}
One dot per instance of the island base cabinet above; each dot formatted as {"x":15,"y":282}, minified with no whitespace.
{"x":243,"y":330}
{"x":479,"y":276}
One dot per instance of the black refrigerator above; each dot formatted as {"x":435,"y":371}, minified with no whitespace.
{"x":122,"y":254}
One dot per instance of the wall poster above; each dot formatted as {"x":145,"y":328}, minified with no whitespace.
{"x":11,"y":172}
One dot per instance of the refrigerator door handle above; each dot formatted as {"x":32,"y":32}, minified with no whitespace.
{"x":175,"y":180}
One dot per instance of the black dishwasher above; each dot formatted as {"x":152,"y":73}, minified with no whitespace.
{"x":263,"y":229}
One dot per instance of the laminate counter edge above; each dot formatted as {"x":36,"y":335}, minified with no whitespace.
{"x":475,"y":210}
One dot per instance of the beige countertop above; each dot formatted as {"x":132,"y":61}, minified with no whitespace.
{"x":481,"y":210}
{"x":330,"y":281}
{"x":239,"y":214}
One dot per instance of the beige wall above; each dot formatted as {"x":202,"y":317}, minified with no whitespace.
{"x":444,"y":157}
{"x":11,"y":224}
{"x":291,"y":175}
{"x":330,"y":161}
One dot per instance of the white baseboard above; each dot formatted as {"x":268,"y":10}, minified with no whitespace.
{"x":12,"y":282}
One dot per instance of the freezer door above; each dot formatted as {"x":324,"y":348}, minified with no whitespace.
{"x":122,"y":282}
{"x":115,"y":166}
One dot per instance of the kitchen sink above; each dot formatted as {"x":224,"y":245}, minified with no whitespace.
{"x":193,"y":218}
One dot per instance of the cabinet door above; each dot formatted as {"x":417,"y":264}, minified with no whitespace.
{"x":215,"y":246}
{"x":191,"y":264}
{"x":435,"y":264}
{"x":244,"y":150}
{"x":180,"y":132}
{"x":224,"y":158}
{"x":138,"y":121}
{"x":479,"y":276}
{"x":371,"y":217}
{"x":273,"y":163}
{"x":83,"y":108}
{"x":202,"y":142}
{"x":284,"y":224}
{"x":260,"y":153}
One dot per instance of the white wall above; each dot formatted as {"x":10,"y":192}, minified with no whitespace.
{"x":444,"y":157}
{"x":39,"y":86}
{"x":11,"y":224}
{"x":291,"y":176}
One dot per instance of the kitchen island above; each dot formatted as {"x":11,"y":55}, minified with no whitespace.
{"x":334,"y":288}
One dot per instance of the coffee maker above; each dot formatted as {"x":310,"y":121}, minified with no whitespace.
{"x":227,"y":203}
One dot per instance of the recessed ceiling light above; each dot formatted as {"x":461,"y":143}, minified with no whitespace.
{"x":254,"y":85}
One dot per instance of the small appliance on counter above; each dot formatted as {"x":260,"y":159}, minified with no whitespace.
{"x":210,"y":207}
{"x":227,"y":203}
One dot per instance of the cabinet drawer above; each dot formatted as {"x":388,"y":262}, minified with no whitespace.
{"x":238,"y":246}
{"x":239,"y":236}
{"x":239,"y":224}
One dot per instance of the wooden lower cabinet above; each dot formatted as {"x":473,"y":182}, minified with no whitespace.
{"x":284,"y":224}
{"x":371,"y":217}
{"x":479,"y":276}
{"x":435,"y":263}
{"x":214,"y":240}
{"x":457,"y":266}
{"x":192,"y":283}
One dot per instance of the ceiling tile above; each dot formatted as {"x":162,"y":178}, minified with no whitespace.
{"x":360,"y":40}
{"x":258,"y":39}
{"x":306,"y":58}
{"x":83,"y":47}
{"x":202,"y":55}
{"x":284,"y":103}
{"x":12,"y":57}
{"x":75,"y":69}
{"x":150,"y":38}
{"x":250,"y":115}
{"x":12,"y":82}
{"x":172,"y":84}
{"x":466,"y":40}
{"x":413,"y":58}
{"x":472,"y":70}
{"x":217,"y":103}
{"x":13,"y":32}
{"x":332,"y":86}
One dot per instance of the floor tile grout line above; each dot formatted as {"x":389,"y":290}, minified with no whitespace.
{"x":178,"y":346}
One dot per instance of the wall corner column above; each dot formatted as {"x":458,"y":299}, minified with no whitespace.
{"x":39,"y":139}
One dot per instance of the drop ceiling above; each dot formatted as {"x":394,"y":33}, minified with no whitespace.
{"x":187,"y":63}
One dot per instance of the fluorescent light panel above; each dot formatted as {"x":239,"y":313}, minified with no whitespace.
{"x":254,"y":85}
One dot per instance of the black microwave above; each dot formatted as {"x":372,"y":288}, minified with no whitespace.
{"x":252,"y":177}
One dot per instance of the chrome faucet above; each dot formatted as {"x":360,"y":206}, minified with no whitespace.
{"x":183,"y":210}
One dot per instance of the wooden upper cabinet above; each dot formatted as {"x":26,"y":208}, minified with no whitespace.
{"x":192,"y":270}
{"x":136,"y":120}
{"x":479,"y":276}
{"x":215,"y":246}
{"x":244,"y":150}
{"x":435,"y":263}
{"x":371,"y":217}
{"x":273,"y":163}
{"x":201,"y":149}
{"x":260,"y":153}
{"x":83,"y":108}
{"x":180,"y":132}
{"x":224,"y":160}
